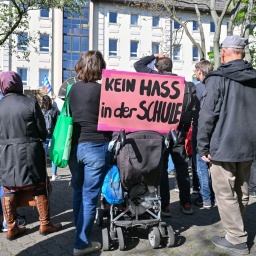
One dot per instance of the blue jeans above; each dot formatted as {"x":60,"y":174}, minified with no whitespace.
{"x":205,"y":180}
{"x":88,"y":164}
{"x":170,"y":163}
{"x":47,"y":143}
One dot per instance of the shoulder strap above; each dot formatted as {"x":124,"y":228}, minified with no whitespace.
{"x":65,"y":109}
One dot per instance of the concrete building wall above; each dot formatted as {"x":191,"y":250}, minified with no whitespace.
{"x":57,"y":50}
{"x":146,"y":34}
{"x":99,"y":34}
{"x":37,"y":59}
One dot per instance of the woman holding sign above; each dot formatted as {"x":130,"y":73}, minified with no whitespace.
{"x":89,"y":156}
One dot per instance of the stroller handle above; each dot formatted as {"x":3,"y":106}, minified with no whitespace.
{"x":172,"y":135}
{"x":122,"y":137}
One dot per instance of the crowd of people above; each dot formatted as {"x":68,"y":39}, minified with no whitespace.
{"x":218,"y":113}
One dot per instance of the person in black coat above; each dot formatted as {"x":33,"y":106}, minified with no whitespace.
{"x":22,"y":155}
{"x":163,"y":65}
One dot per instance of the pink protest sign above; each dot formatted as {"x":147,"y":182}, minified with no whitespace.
{"x":140,"y":101}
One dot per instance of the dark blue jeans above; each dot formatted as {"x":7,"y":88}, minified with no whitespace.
{"x":206,"y":190}
{"x":88,"y":164}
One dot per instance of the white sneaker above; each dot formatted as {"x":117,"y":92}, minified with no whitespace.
{"x":55,"y":177}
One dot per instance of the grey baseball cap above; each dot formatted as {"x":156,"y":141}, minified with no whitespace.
{"x":234,"y":42}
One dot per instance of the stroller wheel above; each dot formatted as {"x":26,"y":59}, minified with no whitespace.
{"x":112,"y":235}
{"x":99,"y":217}
{"x":162,"y":229}
{"x":105,"y":239}
{"x":154,"y":237}
{"x":120,"y":238}
{"x":171,"y":237}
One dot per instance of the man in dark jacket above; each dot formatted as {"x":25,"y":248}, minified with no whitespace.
{"x":164,"y":66}
{"x":227,"y":138}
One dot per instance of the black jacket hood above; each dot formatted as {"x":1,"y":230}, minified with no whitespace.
{"x":238,"y":70}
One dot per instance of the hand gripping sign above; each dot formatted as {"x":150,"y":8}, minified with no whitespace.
{"x":140,"y":101}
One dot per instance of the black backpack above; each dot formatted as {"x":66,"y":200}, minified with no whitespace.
{"x":48,"y":121}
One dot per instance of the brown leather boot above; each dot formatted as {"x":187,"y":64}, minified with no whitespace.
{"x":9,"y":207}
{"x":46,"y":226}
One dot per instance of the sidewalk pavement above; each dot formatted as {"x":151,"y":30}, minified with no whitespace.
{"x":192,"y":232}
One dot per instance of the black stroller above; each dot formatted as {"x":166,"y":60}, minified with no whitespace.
{"x":139,"y":159}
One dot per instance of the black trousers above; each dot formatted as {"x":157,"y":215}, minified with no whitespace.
{"x":178,"y":154}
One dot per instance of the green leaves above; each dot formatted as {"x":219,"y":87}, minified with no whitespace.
{"x":14,"y":18}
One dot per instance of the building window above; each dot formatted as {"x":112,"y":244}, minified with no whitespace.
{"x":23,"y":72}
{"x":75,"y":40}
{"x":44,"y":43}
{"x":44,"y":13}
{"x":212,"y":27}
{"x":22,"y":41}
{"x":134,"y":19}
{"x":176,"y":25}
{"x":195,"y":25}
{"x":155,"y":21}
{"x":42,"y":74}
{"x":134,"y":49}
{"x":176,"y":52}
{"x":76,"y":26}
{"x":155,"y":48}
{"x":112,"y":47}
{"x":195,"y":54}
{"x":76,"y":44}
{"x":112,"y":17}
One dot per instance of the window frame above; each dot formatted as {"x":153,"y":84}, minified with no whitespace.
{"x":47,"y":48}
{"x":195,"y":58}
{"x":174,"y":25}
{"x":42,"y":10}
{"x":152,"y":47}
{"x":158,"y":22}
{"x":137,"y":21}
{"x":41,"y":81}
{"x":178,"y":58}
{"x":131,"y":52}
{"x":109,"y":19}
{"x":22,"y":47}
{"x":25,"y":82}
{"x":212,"y":27}
{"x":195,"y":25}
{"x":113,"y":51}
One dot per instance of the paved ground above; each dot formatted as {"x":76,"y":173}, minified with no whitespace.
{"x":192,"y":233}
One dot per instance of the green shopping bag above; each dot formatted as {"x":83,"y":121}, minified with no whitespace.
{"x":62,"y":135}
